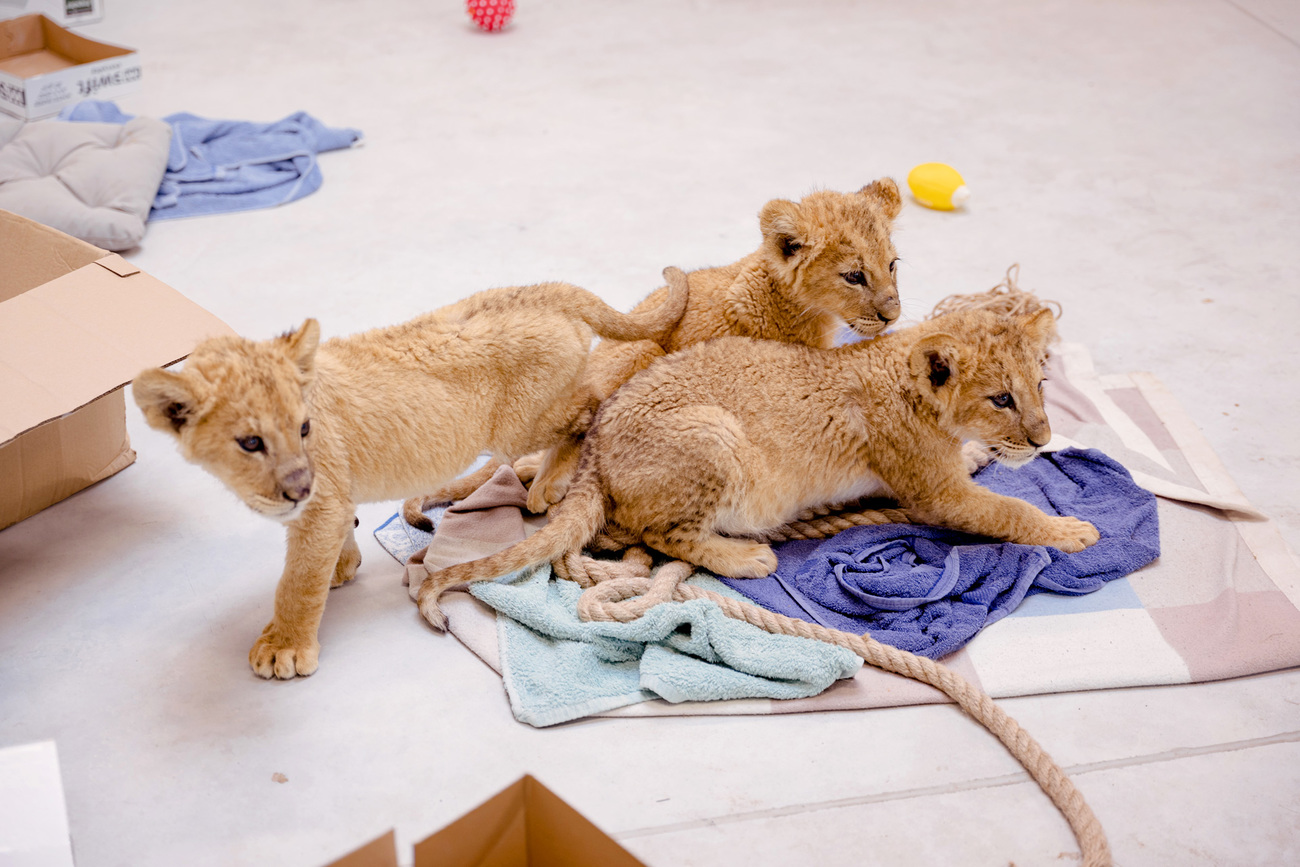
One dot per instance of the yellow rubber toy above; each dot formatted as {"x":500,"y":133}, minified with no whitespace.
{"x":938,"y":186}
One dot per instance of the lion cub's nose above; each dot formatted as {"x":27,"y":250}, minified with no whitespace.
{"x":888,"y":310}
{"x":297,"y":485}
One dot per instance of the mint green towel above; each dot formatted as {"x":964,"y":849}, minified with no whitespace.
{"x":559,"y":668}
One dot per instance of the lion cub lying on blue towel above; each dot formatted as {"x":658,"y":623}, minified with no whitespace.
{"x":724,"y":441}
{"x":302,"y":435}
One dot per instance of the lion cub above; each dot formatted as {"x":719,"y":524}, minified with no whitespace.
{"x":303,"y":435}
{"x":824,"y":261}
{"x":735,"y":437}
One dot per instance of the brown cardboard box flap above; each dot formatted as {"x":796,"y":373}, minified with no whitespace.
{"x":525,"y":825}
{"x":35,"y":253}
{"x":380,"y":852}
{"x":80,"y":336}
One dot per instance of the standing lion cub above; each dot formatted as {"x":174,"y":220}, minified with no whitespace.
{"x":733,"y":438}
{"x":824,"y":261}
{"x":302,"y":434}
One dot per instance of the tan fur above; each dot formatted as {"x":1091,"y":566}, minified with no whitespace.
{"x":302,"y":436}
{"x":735,"y":437}
{"x":793,"y":288}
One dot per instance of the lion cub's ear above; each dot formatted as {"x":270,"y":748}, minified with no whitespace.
{"x":782,"y":223}
{"x":935,"y":366}
{"x":885,"y":191}
{"x":1039,"y":327}
{"x":301,"y":346}
{"x":167,"y":399}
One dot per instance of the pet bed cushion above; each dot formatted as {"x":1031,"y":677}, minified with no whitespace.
{"x":94,"y":181}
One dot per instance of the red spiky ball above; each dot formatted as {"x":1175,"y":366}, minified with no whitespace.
{"x":490,"y":15}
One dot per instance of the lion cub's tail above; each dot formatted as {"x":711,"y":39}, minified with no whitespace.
{"x":655,"y":324}
{"x":574,"y":522}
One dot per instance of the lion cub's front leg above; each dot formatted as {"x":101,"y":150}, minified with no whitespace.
{"x":967,"y":506}
{"x":322,"y":553}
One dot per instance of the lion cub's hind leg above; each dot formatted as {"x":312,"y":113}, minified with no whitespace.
{"x":721,"y":555}
{"x":611,"y":365}
{"x":349,"y":560}
{"x":681,"y":473}
{"x":554,"y":474}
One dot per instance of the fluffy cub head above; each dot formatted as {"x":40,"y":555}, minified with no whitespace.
{"x":832,"y":252}
{"x":983,"y":374}
{"x":238,"y":408}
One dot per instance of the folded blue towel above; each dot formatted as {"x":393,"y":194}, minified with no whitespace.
{"x":559,"y":668}
{"x":930,"y":590}
{"x":218,"y":166}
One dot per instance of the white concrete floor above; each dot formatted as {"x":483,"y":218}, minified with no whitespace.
{"x":1139,"y":159}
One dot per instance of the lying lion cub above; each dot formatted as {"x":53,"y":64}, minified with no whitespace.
{"x":824,"y":261}
{"x":302,"y":435}
{"x":735,"y":437}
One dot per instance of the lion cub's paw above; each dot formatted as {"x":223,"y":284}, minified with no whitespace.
{"x":544,"y":493}
{"x":276,"y":655}
{"x":346,"y":568}
{"x":1071,"y":534}
{"x":741,"y":560}
{"x":975,"y":456}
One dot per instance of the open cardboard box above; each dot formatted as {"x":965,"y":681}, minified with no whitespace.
{"x":524,"y":825}
{"x":44,"y":67}
{"x":76,"y":324}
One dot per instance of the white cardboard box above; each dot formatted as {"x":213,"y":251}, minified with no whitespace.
{"x":44,"y":67}
{"x":34,"y":832}
{"x":70,"y":13}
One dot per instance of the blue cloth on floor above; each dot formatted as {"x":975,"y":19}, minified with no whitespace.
{"x":558,"y":668}
{"x":219,"y":166}
{"x":930,"y":590}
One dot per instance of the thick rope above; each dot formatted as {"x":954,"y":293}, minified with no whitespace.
{"x":821,"y":523}
{"x":623,"y":591}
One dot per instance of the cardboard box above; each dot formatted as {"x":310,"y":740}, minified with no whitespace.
{"x":44,"y":67}
{"x":65,"y":12}
{"x":76,"y":324}
{"x":525,"y":825}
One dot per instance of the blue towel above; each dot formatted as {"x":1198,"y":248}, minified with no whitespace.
{"x":218,"y":166}
{"x":930,"y":590}
{"x":558,"y":668}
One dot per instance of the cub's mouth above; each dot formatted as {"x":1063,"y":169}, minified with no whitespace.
{"x":870,"y":326}
{"x":278,"y":509}
{"x":1014,"y":455}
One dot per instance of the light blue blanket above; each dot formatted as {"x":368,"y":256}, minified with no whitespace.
{"x":217,"y":166}
{"x":559,"y":668}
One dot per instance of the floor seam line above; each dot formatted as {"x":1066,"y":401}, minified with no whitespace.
{"x":1004,"y":780}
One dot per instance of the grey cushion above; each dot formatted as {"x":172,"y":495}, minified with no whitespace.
{"x":94,"y":181}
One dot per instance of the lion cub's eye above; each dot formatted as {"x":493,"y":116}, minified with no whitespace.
{"x":250,"y":444}
{"x":855,"y":278}
{"x":1003,"y":400}
{"x":306,"y":427}
{"x":893,"y":266}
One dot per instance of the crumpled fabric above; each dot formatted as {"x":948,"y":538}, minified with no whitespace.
{"x":220,"y":166}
